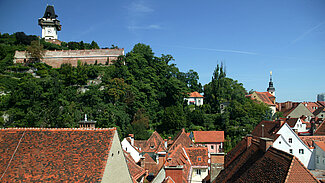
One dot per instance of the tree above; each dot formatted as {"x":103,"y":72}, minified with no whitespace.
{"x":35,"y":52}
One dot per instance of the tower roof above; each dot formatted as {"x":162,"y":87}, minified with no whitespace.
{"x":49,"y":12}
{"x":271,"y":88}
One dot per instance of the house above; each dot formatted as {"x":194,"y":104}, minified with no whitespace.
{"x":212,"y":139}
{"x":62,"y":155}
{"x":199,"y":160}
{"x":181,"y":138}
{"x":298,"y":111}
{"x":256,"y":160}
{"x":298,"y":124}
{"x":312,"y":106}
{"x":194,"y":98}
{"x":285,"y":139}
{"x":185,"y":165}
{"x":128,"y":146}
{"x":264,"y":97}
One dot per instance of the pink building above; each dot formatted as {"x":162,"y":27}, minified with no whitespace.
{"x":212,"y":139}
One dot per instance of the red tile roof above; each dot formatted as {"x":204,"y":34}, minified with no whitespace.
{"x":308,"y":140}
{"x":195,"y":95}
{"x":154,"y":144}
{"x":254,"y":165}
{"x":135,"y":170}
{"x":198,"y":156}
{"x":181,"y":138}
{"x":149,"y":164}
{"x":179,"y":158}
{"x":208,"y":136}
{"x":168,"y":180}
{"x":321,"y":145}
{"x":267,"y":129}
{"x":266,"y":97}
{"x":54,"y":155}
{"x":312,"y":106}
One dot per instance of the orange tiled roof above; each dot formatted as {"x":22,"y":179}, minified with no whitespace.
{"x":154,"y":144}
{"x":54,"y":155}
{"x":265,"y":97}
{"x":198,"y":156}
{"x":208,"y":136}
{"x":181,"y":138}
{"x":309,"y":140}
{"x":312,"y":106}
{"x":178,"y":157}
{"x":321,"y":144}
{"x":196,"y":95}
{"x":135,"y":170}
{"x":168,"y":180}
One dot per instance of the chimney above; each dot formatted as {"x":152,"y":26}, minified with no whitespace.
{"x":87,"y":124}
{"x":248,"y":139}
{"x":166,"y":144}
{"x":313,"y":127}
{"x":265,"y":143}
{"x":132,"y":139}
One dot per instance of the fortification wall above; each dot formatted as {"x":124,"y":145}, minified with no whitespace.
{"x":58,"y":57}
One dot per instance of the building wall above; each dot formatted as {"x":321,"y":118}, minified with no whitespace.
{"x":130,"y":149}
{"x":197,"y":101}
{"x":116,"y":169}
{"x":319,"y":158}
{"x":199,"y":177}
{"x":300,"y":127}
{"x":58,"y":57}
{"x":283,"y":143}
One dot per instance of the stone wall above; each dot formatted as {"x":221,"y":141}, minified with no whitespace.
{"x":58,"y":57}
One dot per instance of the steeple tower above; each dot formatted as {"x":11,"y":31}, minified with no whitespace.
{"x":271,"y":89}
{"x":50,"y":25}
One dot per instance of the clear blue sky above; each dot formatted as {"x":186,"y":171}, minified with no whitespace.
{"x":250,"y":37}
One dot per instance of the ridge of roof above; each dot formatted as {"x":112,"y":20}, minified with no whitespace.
{"x":57,"y":129}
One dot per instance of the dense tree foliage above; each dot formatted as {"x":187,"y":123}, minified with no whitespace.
{"x":139,"y":93}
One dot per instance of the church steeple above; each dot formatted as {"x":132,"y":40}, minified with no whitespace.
{"x":271,"y":89}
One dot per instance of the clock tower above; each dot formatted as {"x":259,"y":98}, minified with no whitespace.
{"x":50,"y":25}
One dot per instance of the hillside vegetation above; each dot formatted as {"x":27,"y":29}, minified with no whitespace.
{"x":139,"y":93}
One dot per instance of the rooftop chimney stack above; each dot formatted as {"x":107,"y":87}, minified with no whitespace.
{"x":87,"y":124}
{"x":265,"y":144}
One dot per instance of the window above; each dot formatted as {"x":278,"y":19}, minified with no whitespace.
{"x":199,"y":159}
{"x":290,"y":150}
{"x":279,"y":142}
{"x":323,"y":161}
{"x":301,"y":151}
{"x":317,"y":159}
{"x":198,"y":171}
{"x":212,"y":147}
{"x":290,"y":140}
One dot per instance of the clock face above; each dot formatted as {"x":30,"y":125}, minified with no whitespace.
{"x":49,"y":31}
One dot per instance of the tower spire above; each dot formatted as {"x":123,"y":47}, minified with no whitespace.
{"x":271,"y":89}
